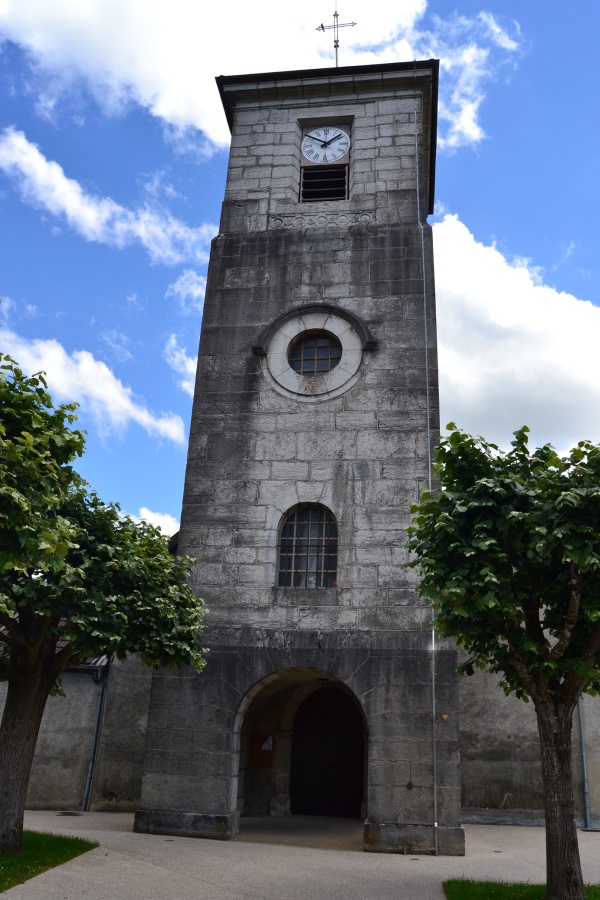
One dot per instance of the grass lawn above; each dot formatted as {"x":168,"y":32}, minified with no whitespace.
{"x":489,"y":890}
{"x":40,"y":852}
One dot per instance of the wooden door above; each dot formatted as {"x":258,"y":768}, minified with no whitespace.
{"x":327,"y":764}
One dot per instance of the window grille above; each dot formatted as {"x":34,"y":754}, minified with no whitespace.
{"x":308,"y":549}
{"x":315,"y":353}
{"x":324,"y":183}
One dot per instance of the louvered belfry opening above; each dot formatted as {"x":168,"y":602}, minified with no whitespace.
{"x":324,"y":183}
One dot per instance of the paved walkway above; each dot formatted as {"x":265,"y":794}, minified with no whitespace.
{"x":129,"y":866}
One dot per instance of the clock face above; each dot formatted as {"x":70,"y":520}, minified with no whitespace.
{"x":326,"y":144}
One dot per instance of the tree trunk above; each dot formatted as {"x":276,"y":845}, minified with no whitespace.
{"x":28,"y":690}
{"x":563,"y":868}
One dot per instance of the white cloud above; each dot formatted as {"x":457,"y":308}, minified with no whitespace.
{"x":81,"y":378}
{"x":512,"y":350}
{"x":472,"y":52}
{"x":157,"y":187}
{"x":498,"y":34}
{"x":43,"y":184}
{"x":117,"y":342}
{"x":189,"y":290}
{"x":132,"y":301}
{"x":566,"y":254}
{"x":168,"y":524}
{"x":182,"y":364}
{"x":6,"y":307}
{"x":165,"y":56}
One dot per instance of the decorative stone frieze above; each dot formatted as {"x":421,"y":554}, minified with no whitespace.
{"x":321,"y":220}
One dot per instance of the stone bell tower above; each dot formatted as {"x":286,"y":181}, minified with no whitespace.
{"x":314,"y":419}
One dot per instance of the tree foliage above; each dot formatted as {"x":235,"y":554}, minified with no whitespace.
{"x":37,"y":448}
{"x":72,"y":569}
{"x":76,"y":578}
{"x":509,"y":553}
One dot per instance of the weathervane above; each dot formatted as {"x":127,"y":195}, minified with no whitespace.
{"x":336,"y":29}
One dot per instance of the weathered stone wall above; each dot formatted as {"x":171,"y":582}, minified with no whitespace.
{"x":264,"y":164}
{"x":118,"y":776}
{"x":192,"y":757}
{"x":591,"y":715}
{"x":254,"y":453}
{"x":500,"y":755}
{"x":64,"y":744}
{"x":362,"y":449}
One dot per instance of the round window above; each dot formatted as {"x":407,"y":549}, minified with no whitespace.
{"x":314,"y":353}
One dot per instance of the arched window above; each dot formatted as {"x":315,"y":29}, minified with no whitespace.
{"x":308,"y":548}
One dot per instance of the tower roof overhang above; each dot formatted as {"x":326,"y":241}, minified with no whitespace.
{"x":306,"y":86}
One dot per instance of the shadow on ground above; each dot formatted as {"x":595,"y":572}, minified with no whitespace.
{"x":317,"y":832}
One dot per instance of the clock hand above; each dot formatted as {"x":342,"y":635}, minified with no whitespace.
{"x":331,"y":140}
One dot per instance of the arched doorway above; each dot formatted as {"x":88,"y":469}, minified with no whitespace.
{"x":326,"y":738}
{"x":327,"y":761}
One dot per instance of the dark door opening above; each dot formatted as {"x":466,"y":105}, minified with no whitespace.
{"x":327,"y":765}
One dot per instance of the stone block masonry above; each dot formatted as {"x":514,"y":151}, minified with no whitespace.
{"x":356,"y":442}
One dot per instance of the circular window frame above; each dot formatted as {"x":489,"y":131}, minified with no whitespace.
{"x":281,"y":376}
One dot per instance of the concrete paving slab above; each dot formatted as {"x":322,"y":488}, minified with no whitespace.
{"x":129,"y":866}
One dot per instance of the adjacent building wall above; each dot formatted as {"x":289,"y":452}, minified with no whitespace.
{"x":500,"y":755}
{"x":64,"y":744}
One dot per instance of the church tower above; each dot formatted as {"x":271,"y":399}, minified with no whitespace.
{"x":314,"y":420}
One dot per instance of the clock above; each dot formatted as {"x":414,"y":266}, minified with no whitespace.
{"x":326,"y":144}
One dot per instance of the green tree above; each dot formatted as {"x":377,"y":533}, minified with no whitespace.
{"x":509,"y":553}
{"x":76,"y":579}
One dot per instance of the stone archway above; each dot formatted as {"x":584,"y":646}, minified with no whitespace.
{"x":277,"y":723}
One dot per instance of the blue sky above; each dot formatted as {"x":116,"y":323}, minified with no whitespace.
{"x":113,"y":152}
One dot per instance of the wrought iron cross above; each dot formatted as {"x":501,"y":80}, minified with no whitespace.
{"x":336,"y":29}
